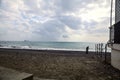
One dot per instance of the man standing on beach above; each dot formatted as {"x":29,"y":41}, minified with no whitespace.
{"x":87,"y":48}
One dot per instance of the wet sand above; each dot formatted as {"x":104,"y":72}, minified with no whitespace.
{"x":61,"y":65}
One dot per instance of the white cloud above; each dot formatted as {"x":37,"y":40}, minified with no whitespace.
{"x":54,"y":20}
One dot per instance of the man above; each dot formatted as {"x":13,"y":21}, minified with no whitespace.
{"x":87,"y":48}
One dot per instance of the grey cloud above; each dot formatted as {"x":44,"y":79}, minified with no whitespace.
{"x":70,"y":21}
{"x":65,"y":36}
{"x":6,"y":5}
{"x":0,"y":3}
{"x":46,"y":7}
{"x":51,"y":30}
{"x":89,"y":25}
{"x":45,"y":20}
{"x":58,"y":7}
{"x":103,"y":29}
{"x":31,"y":4}
{"x":70,"y":5}
{"x":3,"y":31}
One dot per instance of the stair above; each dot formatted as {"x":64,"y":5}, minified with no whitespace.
{"x":36,"y":78}
{"x":10,"y":74}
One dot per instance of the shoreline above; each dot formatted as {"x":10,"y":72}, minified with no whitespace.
{"x":2,"y":49}
{"x":49,"y":49}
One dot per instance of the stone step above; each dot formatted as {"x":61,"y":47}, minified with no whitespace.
{"x":10,"y":74}
{"x":36,"y":78}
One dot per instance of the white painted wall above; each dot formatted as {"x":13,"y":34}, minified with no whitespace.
{"x":115,"y":58}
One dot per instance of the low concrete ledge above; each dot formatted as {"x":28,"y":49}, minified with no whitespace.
{"x":114,"y":46}
{"x":10,"y":74}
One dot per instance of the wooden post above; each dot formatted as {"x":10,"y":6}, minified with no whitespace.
{"x":97,"y":49}
{"x":105,"y":53}
{"x":101,"y":49}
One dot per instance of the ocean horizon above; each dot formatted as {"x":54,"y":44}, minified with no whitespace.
{"x":40,"y":45}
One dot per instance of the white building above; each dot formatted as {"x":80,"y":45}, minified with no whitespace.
{"x":114,"y":42}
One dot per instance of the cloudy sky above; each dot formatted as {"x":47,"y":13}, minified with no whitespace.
{"x":54,"y":20}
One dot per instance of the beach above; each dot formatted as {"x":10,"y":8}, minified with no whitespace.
{"x":58,"y":64}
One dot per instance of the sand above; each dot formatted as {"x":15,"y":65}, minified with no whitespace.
{"x":61,"y":65}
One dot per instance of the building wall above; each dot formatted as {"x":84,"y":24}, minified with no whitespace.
{"x":117,"y":11}
{"x":115,"y":58}
{"x":117,"y":33}
{"x":115,"y":55}
{"x":115,"y":48}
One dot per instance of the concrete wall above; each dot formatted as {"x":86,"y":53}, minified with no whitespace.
{"x":115,"y":55}
{"x":115,"y":58}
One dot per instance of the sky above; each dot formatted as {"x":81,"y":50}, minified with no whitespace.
{"x":55,"y":20}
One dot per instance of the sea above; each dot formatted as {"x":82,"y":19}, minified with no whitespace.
{"x":38,"y":45}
